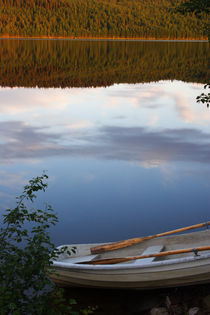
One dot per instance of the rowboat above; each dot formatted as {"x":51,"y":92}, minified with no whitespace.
{"x":157,"y":262}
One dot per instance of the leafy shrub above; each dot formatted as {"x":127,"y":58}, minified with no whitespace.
{"x":26,"y":252}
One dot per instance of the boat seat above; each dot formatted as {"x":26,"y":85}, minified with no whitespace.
{"x":149,"y":251}
{"x":75,"y":260}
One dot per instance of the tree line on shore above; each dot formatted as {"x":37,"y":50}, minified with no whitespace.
{"x":102,"y":18}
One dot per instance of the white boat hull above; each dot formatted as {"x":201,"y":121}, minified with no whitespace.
{"x":178,"y":271}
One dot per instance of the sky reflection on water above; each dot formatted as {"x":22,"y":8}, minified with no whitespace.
{"x":123,"y":161}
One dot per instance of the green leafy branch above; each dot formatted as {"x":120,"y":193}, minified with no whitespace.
{"x":26,"y":253}
{"x":204,"y":98}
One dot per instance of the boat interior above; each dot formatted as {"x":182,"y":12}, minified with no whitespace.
{"x":154,"y":246}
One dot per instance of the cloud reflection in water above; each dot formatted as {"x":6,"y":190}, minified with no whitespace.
{"x":20,"y":141}
{"x":114,"y":146}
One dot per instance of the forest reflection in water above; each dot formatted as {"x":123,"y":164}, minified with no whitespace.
{"x":83,"y":63}
{"x":124,"y":160}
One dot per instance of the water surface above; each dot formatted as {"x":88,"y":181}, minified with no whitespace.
{"x":127,"y":157}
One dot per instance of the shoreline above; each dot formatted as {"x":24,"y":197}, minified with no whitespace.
{"x":113,"y":38}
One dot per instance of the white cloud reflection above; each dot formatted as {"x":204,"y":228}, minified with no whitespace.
{"x":14,"y":101}
{"x":80,"y":125}
{"x":151,"y":124}
{"x":135,"y":102}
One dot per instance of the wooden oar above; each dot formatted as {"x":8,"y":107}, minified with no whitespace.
{"x":124,"y":259}
{"x":112,"y":246}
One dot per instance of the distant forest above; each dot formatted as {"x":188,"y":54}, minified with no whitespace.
{"x":83,"y":63}
{"x":101,"y":18}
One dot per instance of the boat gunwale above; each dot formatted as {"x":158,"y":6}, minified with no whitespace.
{"x":73,"y":266}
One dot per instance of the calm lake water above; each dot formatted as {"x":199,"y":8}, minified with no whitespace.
{"x":117,"y":127}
